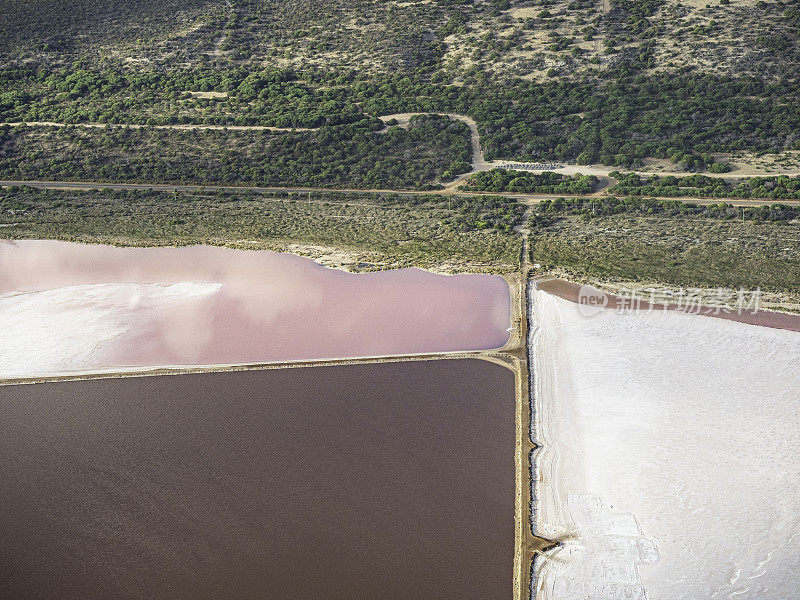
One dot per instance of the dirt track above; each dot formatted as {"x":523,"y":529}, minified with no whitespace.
{"x":479,"y":162}
{"x":528,"y":199}
{"x":175,"y":127}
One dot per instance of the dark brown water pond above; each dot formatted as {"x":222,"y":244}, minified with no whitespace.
{"x":390,"y":481}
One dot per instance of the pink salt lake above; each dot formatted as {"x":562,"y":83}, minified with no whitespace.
{"x":68,"y":307}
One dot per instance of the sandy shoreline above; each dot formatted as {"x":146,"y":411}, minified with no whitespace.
{"x":496,"y":356}
{"x":337,"y":258}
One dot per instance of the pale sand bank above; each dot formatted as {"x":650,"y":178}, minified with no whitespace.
{"x":670,"y":464}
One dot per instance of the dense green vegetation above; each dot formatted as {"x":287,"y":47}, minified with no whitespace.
{"x":356,"y":155}
{"x":546,"y":80}
{"x":270,"y":97}
{"x":546,"y":182}
{"x":389,"y":230}
{"x":683,"y":117}
{"x":701,"y":186}
{"x":547,"y":211}
{"x":669,"y":242}
{"x":625,"y":121}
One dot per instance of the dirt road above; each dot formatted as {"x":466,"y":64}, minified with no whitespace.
{"x":479,"y":162}
{"x":528,"y":199}
{"x":176,"y":127}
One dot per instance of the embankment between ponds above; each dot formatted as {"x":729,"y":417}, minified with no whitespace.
{"x":512,"y":355}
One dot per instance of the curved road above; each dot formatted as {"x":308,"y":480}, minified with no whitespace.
{"x":479,"y":163}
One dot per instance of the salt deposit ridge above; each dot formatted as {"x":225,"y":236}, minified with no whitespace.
{"x":670,"y":460}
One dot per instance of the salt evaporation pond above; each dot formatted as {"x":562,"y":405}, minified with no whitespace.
{"x":670,"y":460}
{"x":390,"y":480}
{"x":69,"y":307}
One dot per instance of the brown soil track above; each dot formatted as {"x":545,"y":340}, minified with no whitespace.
{"x":172,"y":127}
{"x":479,"y":162}
{"x":529,"y":199}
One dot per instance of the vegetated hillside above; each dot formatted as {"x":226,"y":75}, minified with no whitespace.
{"x":49,"y":28}
{"x":455,"y":39}
{"x":612,"y":82}
{"x":367,"y":34}
{"x":679,"y":116}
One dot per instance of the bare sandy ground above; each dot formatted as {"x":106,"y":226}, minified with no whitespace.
{"x":669,"y":465}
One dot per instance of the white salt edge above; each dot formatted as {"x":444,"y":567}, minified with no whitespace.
{"x":71,"y":328}
{"x":670,"y":464}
